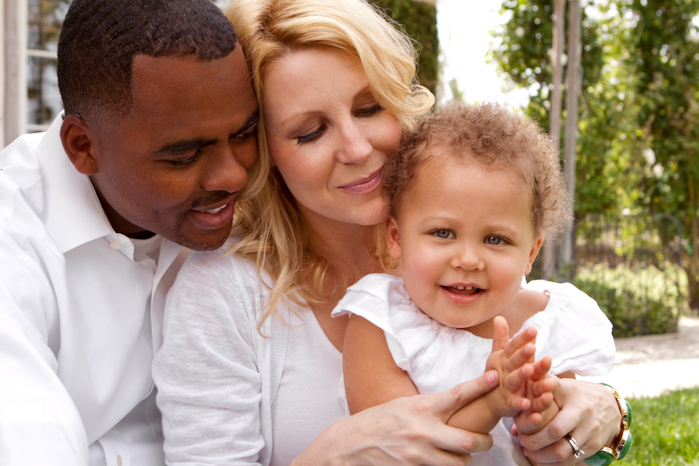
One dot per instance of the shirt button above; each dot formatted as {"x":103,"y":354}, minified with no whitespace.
{"x":118,"y":460}
{"x":115,"y":244}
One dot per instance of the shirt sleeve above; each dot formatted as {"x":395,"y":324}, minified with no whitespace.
{"x":209,"y":387}
{"x":573,"y":330}
{"x":39,"y":423}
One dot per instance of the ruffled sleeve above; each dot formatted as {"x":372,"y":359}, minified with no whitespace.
{"x":573,"y":330}
{"x":382,"y":300}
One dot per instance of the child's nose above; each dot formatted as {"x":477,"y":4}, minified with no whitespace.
{"x":468,"y":258}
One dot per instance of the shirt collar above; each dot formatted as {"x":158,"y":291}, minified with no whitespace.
{"x":74,"y":214}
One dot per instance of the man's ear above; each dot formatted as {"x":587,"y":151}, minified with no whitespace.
{"x":533,"y":253}
{"x":393,"y":238}
{"x":78,"y":142}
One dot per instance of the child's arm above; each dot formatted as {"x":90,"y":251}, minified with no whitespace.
{"x":371,"y":375}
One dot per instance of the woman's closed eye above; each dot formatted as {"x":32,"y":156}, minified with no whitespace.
{"x":315,"y":134}
{"x":369,"y":111}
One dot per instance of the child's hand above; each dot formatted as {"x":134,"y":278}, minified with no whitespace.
{"x":513,"y":361}
{"x":539,"y":390}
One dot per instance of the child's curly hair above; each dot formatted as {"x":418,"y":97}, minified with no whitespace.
{"x":491,"y":136}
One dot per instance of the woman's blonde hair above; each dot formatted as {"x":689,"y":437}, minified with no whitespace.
{"x":274,"y":234}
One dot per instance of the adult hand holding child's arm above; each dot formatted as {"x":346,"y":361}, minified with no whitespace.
{"x":405,"y":431}
{"x":588,"y":412}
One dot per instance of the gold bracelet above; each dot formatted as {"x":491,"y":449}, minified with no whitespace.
{"x":622,"y":442}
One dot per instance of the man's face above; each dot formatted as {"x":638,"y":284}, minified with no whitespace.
{"x":174,"y":165}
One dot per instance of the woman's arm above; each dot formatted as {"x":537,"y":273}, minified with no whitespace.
{"x":209,"y":387}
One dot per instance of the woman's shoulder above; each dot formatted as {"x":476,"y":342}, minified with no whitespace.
{"x":219,"y":265}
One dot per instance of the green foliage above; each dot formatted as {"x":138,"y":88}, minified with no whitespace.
{"x":420,"y":21}
{"x":525,"y":56}
{"x":665,"y":430}
{"x":643,"y":301}
{"x":639,"y":117}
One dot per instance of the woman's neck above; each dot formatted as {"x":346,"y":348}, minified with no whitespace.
{"x":348,"y":248}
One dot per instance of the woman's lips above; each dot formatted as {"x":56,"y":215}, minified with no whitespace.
{"x":365,"y":185}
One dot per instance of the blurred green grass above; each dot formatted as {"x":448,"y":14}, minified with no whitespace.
{"x":665,"y":430}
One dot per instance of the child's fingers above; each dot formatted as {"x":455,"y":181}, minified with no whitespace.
{"x":501,"y":333}
{"x":521,"y":339}
{"x":526,"y":422}
{"x":547,"y":384}
{"x":517,"y":377}
{"x":519,"y":403}
{"x":541,"y":368}
{"x":519,"y":358}
{"x":542,"y":403}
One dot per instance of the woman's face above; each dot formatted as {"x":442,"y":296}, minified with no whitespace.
{"x":328,"y":136}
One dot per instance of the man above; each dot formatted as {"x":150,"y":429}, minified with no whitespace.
{"x":158,"y":132}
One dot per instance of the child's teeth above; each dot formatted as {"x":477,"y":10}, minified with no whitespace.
{"x":464,"y":288}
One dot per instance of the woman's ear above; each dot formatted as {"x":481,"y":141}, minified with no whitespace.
{"x":393,"y":238}
{"x":533,"y":253}
{"x":78,"y":142}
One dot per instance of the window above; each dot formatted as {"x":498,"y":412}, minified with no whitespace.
{"x":43,"y":102}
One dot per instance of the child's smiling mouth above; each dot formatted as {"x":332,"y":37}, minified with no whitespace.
{"x":466,"y":290}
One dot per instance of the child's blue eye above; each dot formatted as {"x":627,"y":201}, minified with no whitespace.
{"x":444,"y":234}
{"x":494,"y":240}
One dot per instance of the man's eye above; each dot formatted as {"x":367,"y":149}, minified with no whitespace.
{"x":184,"y":162}
{"x":494,"y":240}
{"x":444,"y":234}
{"x":245,"y":136}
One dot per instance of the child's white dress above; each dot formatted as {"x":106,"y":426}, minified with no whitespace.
{"x":571,"y":329}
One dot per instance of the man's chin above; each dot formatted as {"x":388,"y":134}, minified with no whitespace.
{"x":204,"y":244}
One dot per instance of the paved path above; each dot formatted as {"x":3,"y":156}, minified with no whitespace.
{"x":655,"y":364}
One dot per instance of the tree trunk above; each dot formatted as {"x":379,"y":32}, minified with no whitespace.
{"x":573,"y":87}
{"x":550,"y":246}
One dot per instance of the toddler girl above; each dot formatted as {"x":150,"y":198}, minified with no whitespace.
{"x":474,"y":191}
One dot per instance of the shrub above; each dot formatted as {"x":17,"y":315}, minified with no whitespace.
{"x":642,"y":301}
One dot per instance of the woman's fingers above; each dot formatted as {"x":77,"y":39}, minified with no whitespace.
{"x":450,"y":401}
{"x":407,"y":431}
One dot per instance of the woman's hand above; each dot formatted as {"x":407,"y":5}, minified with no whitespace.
{"x":404,"y":431}
{"x":589,"y":413}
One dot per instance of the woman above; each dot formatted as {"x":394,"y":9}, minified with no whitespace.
{"x":251,"y":365}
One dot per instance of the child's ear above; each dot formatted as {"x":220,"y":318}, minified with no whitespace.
{"x":393,"y":238}
{"x":533,"y":253}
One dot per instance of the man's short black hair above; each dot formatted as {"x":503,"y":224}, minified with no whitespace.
{"x":100,"y":38}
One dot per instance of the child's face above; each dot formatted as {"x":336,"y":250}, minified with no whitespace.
{"x":465,"y":237}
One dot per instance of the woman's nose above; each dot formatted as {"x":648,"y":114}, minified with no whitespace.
{"x":355,"y":146}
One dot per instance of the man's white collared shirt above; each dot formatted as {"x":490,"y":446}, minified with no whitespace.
{"x":80,"y":319}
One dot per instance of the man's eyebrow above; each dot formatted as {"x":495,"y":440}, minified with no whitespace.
{"x":252,"y":120}
{"x":192,"y":145}
{"x":184,"y":147}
